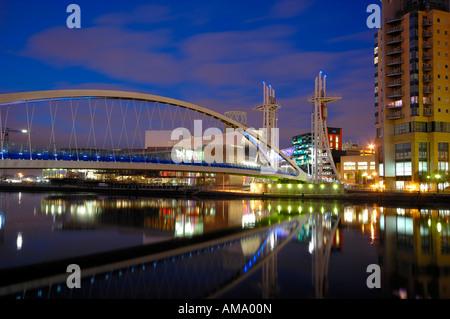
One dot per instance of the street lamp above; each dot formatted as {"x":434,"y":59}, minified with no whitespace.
{"x":438,"y":177}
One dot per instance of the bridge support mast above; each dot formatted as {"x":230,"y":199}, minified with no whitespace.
{"x":269,"y":109}
{"x":321,"y":153}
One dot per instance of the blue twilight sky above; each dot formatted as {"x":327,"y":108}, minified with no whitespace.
{"x":212,"y":53}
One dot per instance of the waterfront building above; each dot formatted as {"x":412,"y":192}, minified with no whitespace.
{"x":358,"y":169}
{"x":302,"y":145}
{"x":412,"y":90}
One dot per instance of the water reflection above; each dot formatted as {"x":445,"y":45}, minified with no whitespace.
{"x":334,"y":243}
{"x":414,"y":251}
{"x":179,"y":217}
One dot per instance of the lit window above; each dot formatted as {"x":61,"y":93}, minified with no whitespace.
{"x":403,"y":169}
{"x":349,"y":166}
{"x":362,"y":166}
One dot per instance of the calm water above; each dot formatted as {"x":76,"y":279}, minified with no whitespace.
{"x":410,"y":245}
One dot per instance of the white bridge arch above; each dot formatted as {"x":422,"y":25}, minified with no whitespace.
{"x":45,"y":137}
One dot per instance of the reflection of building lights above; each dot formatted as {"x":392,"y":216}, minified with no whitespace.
{"x":272,"y":240}
{"x":248,"y":220}
{"x":311,"y":247}
{"x":348,"y":216}
{"x":439,"y":227}
{"x":402,"y":293}
{"x":372,"y":232}
{"x":365,"y":216}
{"x":429,"y":222}
{"x":19,"y":241}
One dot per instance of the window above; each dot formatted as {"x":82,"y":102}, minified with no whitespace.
{"x":423,"y":167}
{"x":401,"y":129}
{"x":403,"y":169}
{"x":362,"y":166}
{"x":443,"y":156}
{"x":403,"y":152}
{"x":419,"y":127}
{"x":349,"y":166}
{"x":423,"y":151}
{"x":443,"y":166}
{"x":443,"y":151}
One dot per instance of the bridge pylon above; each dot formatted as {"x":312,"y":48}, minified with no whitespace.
{"x":322,"y":159}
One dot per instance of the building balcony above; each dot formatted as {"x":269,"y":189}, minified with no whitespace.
{"x":394,"y":105}
{"x":394,"y":84}
{"x":397,"y":50}
{"x":427,"y":90}
{"x":394,"y":20}
{"x":427,"y":56}
{"x":395,"y":94}
{"x":395,"y":40}
{"x":396,"y":72}
{"x":397,"y":29}
{"x":427,"y":67}
{"x":427,"y":34}
{"x":427,"y":45}
{"x":427,"y":101}
{"x":427,"y":23}
{"x":427,"y":112}
{"x":394,"y":62}
{"x":395,"y":115}
{"x":427,"y":78}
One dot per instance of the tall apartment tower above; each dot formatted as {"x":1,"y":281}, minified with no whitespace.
{"x":412,"y":90}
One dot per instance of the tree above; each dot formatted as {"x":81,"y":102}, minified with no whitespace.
{"x":438,"y":177}
{"x":358,"y":177}
{"x":420,"y":177}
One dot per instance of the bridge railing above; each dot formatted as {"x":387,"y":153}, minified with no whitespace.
{"x":127,"y":156}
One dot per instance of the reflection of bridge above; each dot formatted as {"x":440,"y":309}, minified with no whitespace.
{"x":96,"y":129}
{"x":203,"y":269}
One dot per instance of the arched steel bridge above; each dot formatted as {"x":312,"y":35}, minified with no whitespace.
{"x":103,"y":129}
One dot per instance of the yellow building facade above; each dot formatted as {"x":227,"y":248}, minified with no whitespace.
{"x":412,"y":90}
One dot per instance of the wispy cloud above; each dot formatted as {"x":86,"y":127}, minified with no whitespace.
{"x":284,"y":9}
{"x":143,"y":14}
{"x":220,"y":69}
{"x":364,"y":36}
